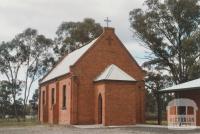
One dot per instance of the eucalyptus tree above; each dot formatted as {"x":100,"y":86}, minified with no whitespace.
{"x":170,"y":30}
{"x":154,"y":83}
{"x":11,"y":60}
{"x":34,"y":101}
{"x":5,"y":99}
{"x":72,"y":35}
{"x":24,"y":59}
{"x":35,"y":50}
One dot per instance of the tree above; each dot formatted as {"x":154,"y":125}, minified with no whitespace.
{"x":11,"y":60}
{"x":5,"y":99}
{"x":8,"y":106}
{"x":34,"y":102}
{"x":29,"y":53}
{"x":35,"y":51}
{"x":170,"y":30}
{"x":20,"y":107}
{"x":72,"y":35}
{"x":154,"y":83}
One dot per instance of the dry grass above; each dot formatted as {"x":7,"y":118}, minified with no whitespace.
{"x":14,"y":122}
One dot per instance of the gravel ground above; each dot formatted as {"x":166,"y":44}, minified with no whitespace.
{"x":72,"y":130}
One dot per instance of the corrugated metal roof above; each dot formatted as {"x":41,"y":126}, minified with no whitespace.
{"x":194,"y":84}
{"x":113,"y":72}
{"x":64,"y":66}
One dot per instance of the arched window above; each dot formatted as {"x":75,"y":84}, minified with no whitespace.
{"x":100,"y":109}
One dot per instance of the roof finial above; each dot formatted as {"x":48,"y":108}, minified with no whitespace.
{"x":107,"y":21}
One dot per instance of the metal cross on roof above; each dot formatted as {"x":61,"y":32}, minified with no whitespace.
{"x":107,"y":21}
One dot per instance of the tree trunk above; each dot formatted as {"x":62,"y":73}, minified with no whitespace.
{"x":159,"y":109}
{"x":24,"y":114}
{"x":15,"y":110}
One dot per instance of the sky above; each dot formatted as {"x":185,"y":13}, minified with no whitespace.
{"x":47,"y":15}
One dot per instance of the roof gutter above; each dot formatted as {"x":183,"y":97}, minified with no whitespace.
{"x":179,"y":90}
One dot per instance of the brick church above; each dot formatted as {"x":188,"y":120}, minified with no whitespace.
{"x":99,"y":83}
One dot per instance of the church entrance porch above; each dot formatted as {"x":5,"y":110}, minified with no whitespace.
{"x":118,"y":98}
{"x":115,"y":103}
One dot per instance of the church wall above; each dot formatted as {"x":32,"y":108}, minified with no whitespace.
{"x":120,"y":103}
{"x":99,"y":90}
{"x":64,"y":113}
{"x":43,"y":105}
{"x":54,"y":114}
{"x":92,"y":64}
{"x":140,"y":102}
{"x":51,"y":107}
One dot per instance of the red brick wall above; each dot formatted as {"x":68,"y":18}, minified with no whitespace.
{"x":81,"y":90}
{"x":56,"y":114}
{"x":99,"y":90}
{"x":92,"y":64}
{"x":51,"y":107}
{"x":120,"y":103}
{"x":64,"y":114}
{"x":140,"y":102}
{"x":120,"y":106}
{"x":43,"y":106}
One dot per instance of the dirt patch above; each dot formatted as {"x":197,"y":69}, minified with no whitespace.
{"x":41,"y":129}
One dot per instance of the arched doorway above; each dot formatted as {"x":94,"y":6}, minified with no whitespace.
{"x":100,"y":109}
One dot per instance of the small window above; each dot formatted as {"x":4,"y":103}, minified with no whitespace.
{"x":64,"y":97}
{"x":43,"y":97}
{"x":52,"y":96}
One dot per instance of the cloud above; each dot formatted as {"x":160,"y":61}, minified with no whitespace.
{"x":47,"y":15}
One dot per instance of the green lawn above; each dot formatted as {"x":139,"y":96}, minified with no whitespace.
{"x":14,"y":122}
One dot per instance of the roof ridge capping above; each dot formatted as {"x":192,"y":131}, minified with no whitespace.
{"x":110,"y":71}
{"x":113,"y":72}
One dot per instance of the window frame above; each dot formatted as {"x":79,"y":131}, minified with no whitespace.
{"x":52,"y":96}
{"x":43,"y":97}
{"x":64,"y":97}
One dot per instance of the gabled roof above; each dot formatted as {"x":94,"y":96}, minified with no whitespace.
{"x":113,"y":72}
{"x":194,"y":84}
{"x":63,"y":67}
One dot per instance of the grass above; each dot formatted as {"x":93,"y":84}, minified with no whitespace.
{"x":33,"y":122}
{"x":154,"y":122}
{"x":14,"y":122}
